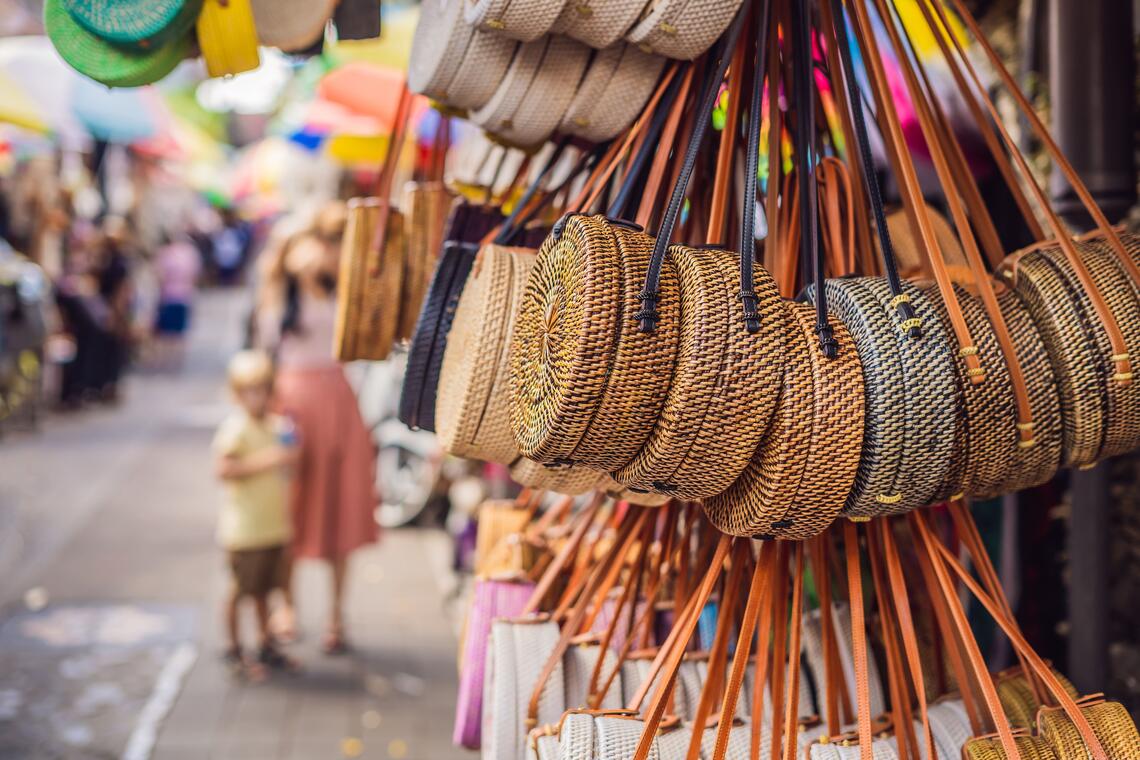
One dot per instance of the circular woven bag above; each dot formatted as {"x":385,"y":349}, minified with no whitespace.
{"x":470,"y":418}
{"x":523,"y":20}
{"x":368,"y":288}
{"x":598,"y":23}
{"x":1110,"y":722}
{"x":570,"y":481}
{"x":291,"y":24}
{"x":615,"y":88}
{"x":987,"y":447}
{"x":989,"y":748}
{"x":105,"y":62}
{"x":1036,"y":464}
{"x":139,"y":24}
{"x":725,"y":382}
{"x":801,"y":475}
{"x":682,"y":28}
{"x":584,"y":388}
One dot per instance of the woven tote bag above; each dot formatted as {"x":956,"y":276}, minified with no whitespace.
{"x":800,"y":476}
{"x":682,"y":28}
{"x":724,"y":386}
{"x":813,"y":653}
{"x":471,"y":406}
{"x":578,"y":393}
{"x":465,"y":227}
{"x":141,"y":24}
{"x":490,"y":599}
{"x":523,"y":20}
{"x":535,"y":92}
{"x":227,"y":37}
{"x":578,"y":667}
{"x":516,"y":653}
{"x":452,"y":61}
{"x":426,"y":206}
{"x":950,"y":726}
{"x":498,"y":520}
{"x":291,"y":25}
{"x":613,"y":91}
{"x":598,"y":23}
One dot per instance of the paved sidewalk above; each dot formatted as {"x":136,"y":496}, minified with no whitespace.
{"x":109,"y":591}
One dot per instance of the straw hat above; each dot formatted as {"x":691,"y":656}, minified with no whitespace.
{"x":140,"y":24}
{"x":103,"y":61}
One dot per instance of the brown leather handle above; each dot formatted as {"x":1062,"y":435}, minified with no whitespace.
{"x":582,"y":523}
{"x":655,"y":180}
{"x":858,"y":639}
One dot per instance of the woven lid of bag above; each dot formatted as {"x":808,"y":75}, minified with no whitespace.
{"x":291,"y":24}
{"x":1122,"y":423}
{"x":542,"y":106}
{"x":802,"y":473}
{"x":725,"y":384}
{"x":485,"y":63}
{"x":565,"y":339}
{"x":477,"y":338}
{"x":135,"y":23}
{"x":641,"y":499}
{"x":438,"y":46}
{"x":1110,"y":722}
{"x":512,"y":88}
{"x":988,"y":437}
{"x":1035,"y":464}
{"x":598,"y":23}
{"x":682,"y":28}
{"x":613,"y":92}
{"x":570,"y":481}
{"x":104,"y":61}
{"x":355,"y":259}
{"x":523,"y":20}
{"x":930,"y":385}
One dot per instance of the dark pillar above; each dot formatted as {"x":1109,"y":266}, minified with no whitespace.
{"x":1091,"y":82}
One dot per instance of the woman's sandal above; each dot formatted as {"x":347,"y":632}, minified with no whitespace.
{"x":333,"y":642}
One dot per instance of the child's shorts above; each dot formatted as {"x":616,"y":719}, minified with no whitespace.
{"x":256,"y":572}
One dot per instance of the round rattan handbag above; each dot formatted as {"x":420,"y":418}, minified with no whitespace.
{"x":612,"y":93}
{"x":598,"y":23}
{"x":571,"y":481}
{"x":471,"y":407}
{"x":523,"y":20}
{"x":682,"y":28}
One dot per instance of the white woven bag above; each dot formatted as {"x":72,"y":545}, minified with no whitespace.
{"x":452,"y":61}
{"x":615,"y":88}
{"x":598,"y":23}
{"x":813,"y":653}
{"x":682,"y":28}
{"x":535,"y":92}
{"x":523,"y":20}
{"x":578,"y":666}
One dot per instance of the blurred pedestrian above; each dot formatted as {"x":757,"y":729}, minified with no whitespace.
{"x":256,"y":451}
{"x":333,"y":495}
{"x":177,"y":265}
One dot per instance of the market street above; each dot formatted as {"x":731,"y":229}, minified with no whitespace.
{"x":110,"y":582}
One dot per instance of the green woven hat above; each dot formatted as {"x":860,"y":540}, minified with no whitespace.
{"x":103,"y":61}
{"x":141,"y":24}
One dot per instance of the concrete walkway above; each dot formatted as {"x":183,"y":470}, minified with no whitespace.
{"x":110,"y":584}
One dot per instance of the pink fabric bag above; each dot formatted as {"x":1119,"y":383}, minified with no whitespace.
{"x":491,"y":599}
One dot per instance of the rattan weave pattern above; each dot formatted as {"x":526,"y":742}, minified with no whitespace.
{"x":682,"y":28}
{"x":1036,"y":464}
{"x":597,"y":23}
{"x":950,"y":726}
{"x":500,"y":725}
{"x":523,"y":20}
{"x":578,"y":737}
{"x":619,"y":737}
{"x":613,"y":93}
{"x":989,"y":748}
{"x":438,"y":47}
{"x":510,"y":90}
{"x":570,"y":481}
{"x":725,"y":385}
{"x":426,"y":207}
{"x":548,"y":95}
{"x":356,"y":250}
{"x":1110,"y":722}
{"x":375,"y":286}
{"x":578,"y":666}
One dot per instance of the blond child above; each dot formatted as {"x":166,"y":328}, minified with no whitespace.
{"x":255,"y":452}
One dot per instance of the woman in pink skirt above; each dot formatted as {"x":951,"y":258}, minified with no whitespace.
{"x":333,"y":498}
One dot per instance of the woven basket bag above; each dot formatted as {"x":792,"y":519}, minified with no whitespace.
{"x":523,"y":20}
{"x":1100,"y":416}
{"x":470,"y":411}
{"x":141,"y":24}
{"x":498,"y":520}
{"x":682,"y":28}
{"x":583,"y":389}
{"x":612,"y":93}
{"x":725,"y":382}
{"x":535,"y":92}
{"x":801,"y":474}
{"x":291,"y":24}
{"x":426,"y":206}
{"x":465,"y":227}
{"x":598,"y":23}
{"x":987,"y":449}
{"x":452,"y":61}
{"x":1110,"y":722}
{"x":989,"y":748}
{"x":368,"y":300}
{"x":1017,"y":699}
{"x":570,"y":481}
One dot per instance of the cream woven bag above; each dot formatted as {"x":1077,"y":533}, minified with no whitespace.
{"x":452,"y":61}
{"x":612,"y":93}
{"x":682,"y":28}
{"x":536,"y":91}
{"x":291,"y":24}
{"x":598,"y":23}
{"x":523,"y":20}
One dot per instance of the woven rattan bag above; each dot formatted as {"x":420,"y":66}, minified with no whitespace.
{"x":465,"y":227}
{"x":523,"y":20}
{"x":571,"y":481}
{"x":453,"y":62}
{"x":682,"y":28}
{"x":598,"y":23}
{"x":1110,"y":722}
{"x":471,"y":406}
{"x":612,"y":93}
{"x":426,"y":206}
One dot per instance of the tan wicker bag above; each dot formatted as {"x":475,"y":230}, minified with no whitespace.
{"x":571,"y":481}
{"x":613,"y":92}
{"x":598,"y":23}
{"x":426,"y":207}
{"x":471,"y":406}
{"x":523,"y":20}
{"x":682,"y":28}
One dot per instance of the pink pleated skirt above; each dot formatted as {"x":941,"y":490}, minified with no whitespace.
{"x":333,"y":497}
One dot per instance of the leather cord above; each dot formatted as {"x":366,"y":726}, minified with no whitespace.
{"x":747,"y":295}
{"x":650,"y":293}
